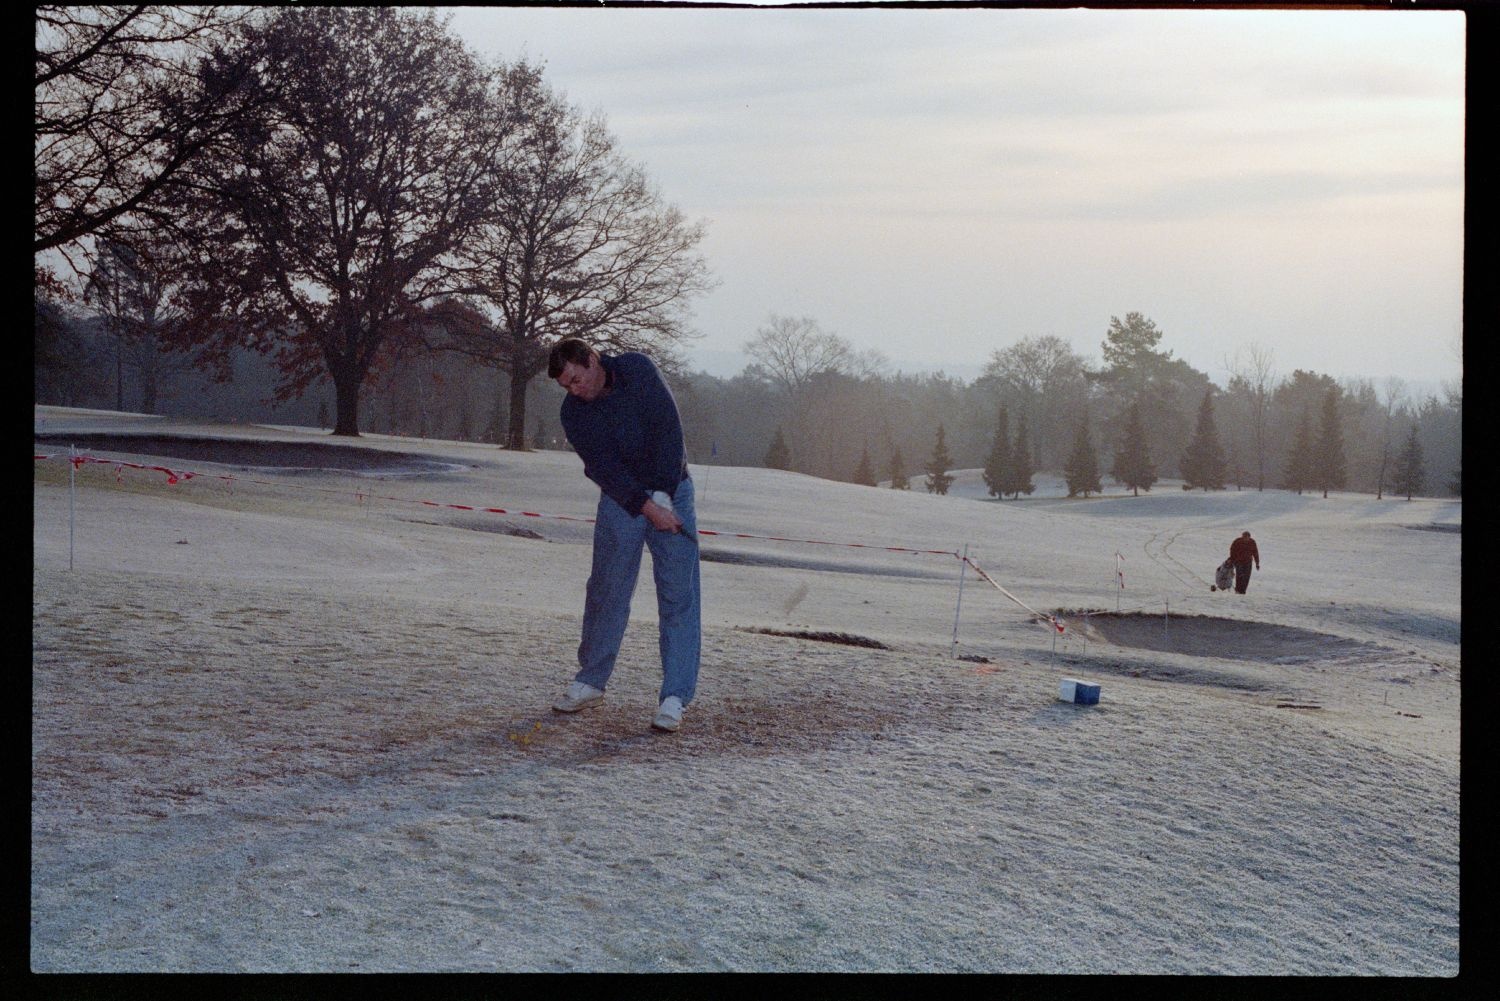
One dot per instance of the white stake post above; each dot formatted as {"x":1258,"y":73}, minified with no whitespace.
{"x":962,"y":568}
{"x":72,"y":469}
{"x":1119,"y":580}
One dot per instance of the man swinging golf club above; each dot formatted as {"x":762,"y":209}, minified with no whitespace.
{"x":621,"y":419}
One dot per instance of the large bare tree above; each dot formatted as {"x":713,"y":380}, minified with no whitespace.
{"x":113,"y":124}
{"x":322,"y":227}
{"x":579,"y":244}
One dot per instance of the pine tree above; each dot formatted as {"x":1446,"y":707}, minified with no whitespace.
{"x":1132,"y":465}
{"x":778,"y":456}
{"x":863,"y":475}
{"x":938,"y":479}
{"x":899,"y":479}
{"x":1203,"y":464}
{"x":1328,"y":454}
{"x":1082,"y":470}
{"x":1411,"y":471}
{"x":1299,"y":473}
{"x":996,"y":466}
{"x":1020,"y":463}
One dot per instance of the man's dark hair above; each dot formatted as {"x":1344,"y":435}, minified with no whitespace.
{"x":568,"y":351}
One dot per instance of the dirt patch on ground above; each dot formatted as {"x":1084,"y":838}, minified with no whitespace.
{"x":844,"y":639}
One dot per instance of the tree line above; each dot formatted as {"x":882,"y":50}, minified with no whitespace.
{"x":810,"y":402}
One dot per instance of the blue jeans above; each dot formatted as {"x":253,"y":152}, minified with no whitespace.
{"x":618,"y":541}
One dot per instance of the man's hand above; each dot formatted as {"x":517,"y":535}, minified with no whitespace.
{"x":661,"y":518}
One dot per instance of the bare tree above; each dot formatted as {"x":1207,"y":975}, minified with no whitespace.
{"x":112,"y":123}
{"x":790,"y":350}
{"x":1044,"y":379}
{"x":137,"y":302}
{"x":1256,"y":369}
{"x":1392,"y":394}
{"x":826,"y":391}
{"x":322,"y":227}
{"x":579,"y":244}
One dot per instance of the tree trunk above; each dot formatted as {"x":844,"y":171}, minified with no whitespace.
{"x":515,"y":435}
{"x":1385,"y":454}
{"x":149,"y":368}
{"x":346,"y":402}
{"x":119,"y":370}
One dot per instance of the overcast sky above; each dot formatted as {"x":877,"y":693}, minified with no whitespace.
{"x":937,"y":184}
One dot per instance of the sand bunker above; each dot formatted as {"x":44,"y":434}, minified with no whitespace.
{"x":258,"y":454}
{"x":1211,"y":636}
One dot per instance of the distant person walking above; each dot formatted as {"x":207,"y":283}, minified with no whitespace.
{"x":1241,"y":552}
{"x":621,"y":419}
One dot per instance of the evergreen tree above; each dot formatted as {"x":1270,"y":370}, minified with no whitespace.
{"x":778,"y":456}
{"x":1329,"y":467}
{"x":1410,"y":470}
{"x":996,"y":466}
{"x":1132,"y":465}
{"x":863,"y":475}
{"x":1082,"y":470}
{"x":899,"y":479}
{"x":1299,"y":472}
{"x":1021,"y":467}
{"x":938,"y":479}
{"x":1203,"y":464}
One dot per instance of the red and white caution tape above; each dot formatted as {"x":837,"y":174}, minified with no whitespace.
{"x":1056,"y":622}
{"x":173,"y":475}
{"x":178,"y":475}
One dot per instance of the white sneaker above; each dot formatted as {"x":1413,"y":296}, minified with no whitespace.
{"x":578,"y":696}
{"x":669,"y":715}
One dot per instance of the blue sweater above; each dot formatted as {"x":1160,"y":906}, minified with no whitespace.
{"x":630,"y":439}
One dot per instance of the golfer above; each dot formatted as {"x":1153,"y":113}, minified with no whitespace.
{"x":621,"y":419}
{"x":1241,"y":552}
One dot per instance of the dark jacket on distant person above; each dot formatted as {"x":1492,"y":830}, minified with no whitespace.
{"x":1243,"y":550}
